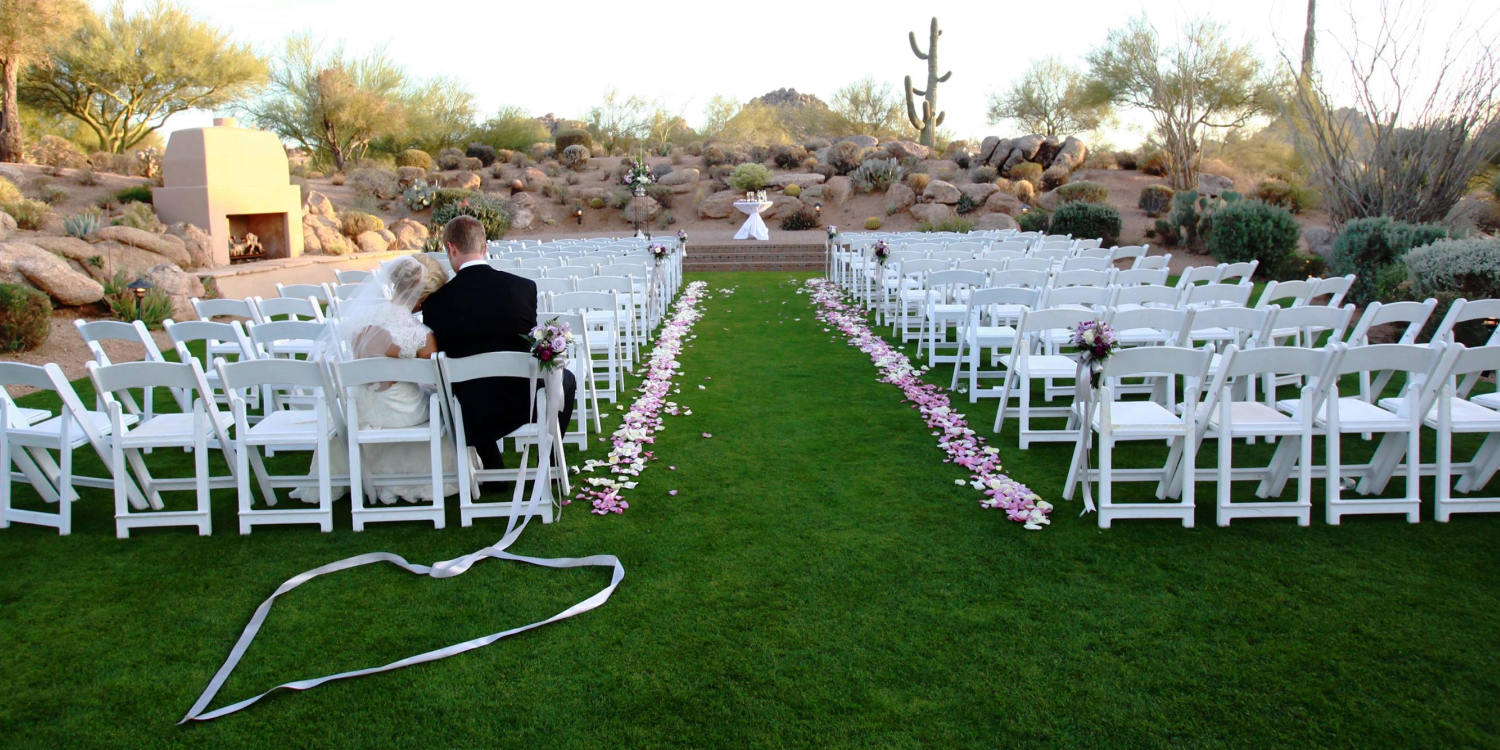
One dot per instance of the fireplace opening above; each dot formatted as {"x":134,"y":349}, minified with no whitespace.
{"x":257,"y":237}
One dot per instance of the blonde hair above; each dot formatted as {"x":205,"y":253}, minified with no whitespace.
{"x":433,"y":274}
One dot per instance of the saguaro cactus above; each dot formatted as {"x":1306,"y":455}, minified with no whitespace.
{"x":931,"y":118}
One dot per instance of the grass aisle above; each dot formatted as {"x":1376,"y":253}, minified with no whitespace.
{"x":817,"y":580}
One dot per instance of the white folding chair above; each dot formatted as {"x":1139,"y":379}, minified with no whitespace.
{"x":1293,"y":293}
{"x":945,"y":307}
{"x":1115,"y":421}
{"x":1130,"y":253}
{"x":1472,"y":416}
{"x":219,"y":340}
{"x":1199,"y":275}
{"x":1094,"y":263}
{"x":362,"y":373}
{"x":1333,"y":288}
{"x":1029,"y":264}
{"x":96,"y":332}
{"x":988,"y":324}
{"x":1238,"y":273}
{"x":600,"y":311}
{"x":1142,"y":277}
{"x":194,"y":429}
{"x":1408,"y":317}
{"x":286,"y":430}
{"x":208,"y":309}
{"x":1216,"y":295}
{"x":1134,"y":297}
{"x":359,"y":277}
{"x":1153,"y":262}
{"x":1034,"y":357}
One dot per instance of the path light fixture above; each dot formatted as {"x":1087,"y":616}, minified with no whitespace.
{"x":139,"y":288}
{"x":578,"y":212}
{"x":818,"y":207}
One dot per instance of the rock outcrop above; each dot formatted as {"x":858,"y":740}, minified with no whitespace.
{"x":838,"y":190}
{"x":410,"y":235}
{"x":907,"y":150}
{"x":938,"y":191}
{"x":899,"y":198}
{"x":179,"y":286}
{"x":198,"y":244}
{"x":30,"y":265}
{"x":932,"y":213}
{"x":168,"y":246}
{"x":720,"y":205}
{"x":996,"y":221}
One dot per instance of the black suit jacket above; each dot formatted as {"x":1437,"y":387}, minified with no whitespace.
{"x":484,"y":310}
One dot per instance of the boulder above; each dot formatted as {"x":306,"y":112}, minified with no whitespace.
{"x":783,"y":206}
{"x":720,"y":205}
{"x":1048,"y":200}
{"x":678,"y":177}
{"x":169,"y":247}
{"x":907,"y":150}
{"x":7,"y":225}
{"x":987,"y":148}
{"x":102,"y":260}
{"x":801,"y":180}
{"x":389,"y":237}
{"x":1003,"y":203}
{"x":899,"y":198}
{"x":319,"y":205}
{"x":522,"y":218}
{"x":1319,"y":241}
{"x":936,"y":167}
{"x":533,"y":178}
{"x":329,"y":234}
{"x":838,"y":190}
{"x":863,"y":141}
{"x":311,"y":245}
{"x":642,"y":208}
{"x":199,"y":245}
{"x":996,"y":221}
{"x":979,"y":191}
{"x":408,"y":176}
{"x":940,"y":192}
{"x":1003,"y":147}
{"x":464,"y":181}
{"x":1212,"y":184}
{"x":1072,"y":154}
{"x":522,"y":200}
{"x":15,"y":176}
{"x":590,"y":193}
{"x":1046,"y":152}
{"x":1023,"y":149}
{"x":809,"y":193}
{"x":179,"y":286}
{"x":410,"y":235}
{"x":371,"y":242}
{"x":932,"y":213}
{"x":49,"y":273}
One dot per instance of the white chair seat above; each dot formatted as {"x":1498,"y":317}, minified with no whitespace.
{"x":944,"y":310}
{"x":164,"y":428}
{"x":1129,"y":416}
{"x":1488,"y":400}
{"x":1467,"y":417}
{"x":413,"y":434}
{"x":48,"y":432}
{"x":1141,"y":336}
{"x":30,"y":416}
{"x":283,"y":426}
{"x":1254,"y":415}
{"x":1047,"y":365}
{"x":1355,"y":415}
{"x":992,"y":336}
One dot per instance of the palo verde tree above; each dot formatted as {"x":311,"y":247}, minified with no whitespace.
{"x":124,"y":74}
{"x":1051,"y":98}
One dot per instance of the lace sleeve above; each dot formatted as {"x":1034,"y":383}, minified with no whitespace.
{"x":407,"y":334}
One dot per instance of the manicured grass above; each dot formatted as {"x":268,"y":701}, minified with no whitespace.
{"x":818,"y":580}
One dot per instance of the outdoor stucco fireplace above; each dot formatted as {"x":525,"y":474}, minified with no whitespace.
{"x":232,"y":182}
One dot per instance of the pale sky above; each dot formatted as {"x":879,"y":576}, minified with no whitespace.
{"x":560,"y":58}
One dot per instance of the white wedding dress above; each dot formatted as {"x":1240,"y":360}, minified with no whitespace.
{"x":393,"y":405}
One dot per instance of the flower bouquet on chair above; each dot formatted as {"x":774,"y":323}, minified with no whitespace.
{"x":1094,"y":341}
{"x":659,"y":253}
{"x":880,"y":251}
{"x":549,"y":344}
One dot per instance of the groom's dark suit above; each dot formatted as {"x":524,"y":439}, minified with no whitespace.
{"x":484,"y":310}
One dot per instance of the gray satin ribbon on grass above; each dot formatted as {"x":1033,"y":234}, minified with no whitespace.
{"x":1084,"y":395}
{"x":542,"y":488}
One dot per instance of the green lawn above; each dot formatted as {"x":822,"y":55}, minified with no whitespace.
{"x":817,"y":580}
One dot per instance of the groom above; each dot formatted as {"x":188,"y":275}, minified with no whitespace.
{"x":484,"y":310}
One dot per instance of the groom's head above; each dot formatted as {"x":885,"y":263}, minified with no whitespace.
{"x":463,"y":238}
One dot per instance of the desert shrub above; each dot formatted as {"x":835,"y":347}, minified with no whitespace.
{"x":573,"y":137}
{"x":596,"y":203}
{"x":713,"y":155}
{"x":419,"y":196}
{"x":845,"y":157}
{"x":29,"y":214}
{"x":949,"y":176}
{"x":1085,"y":191}
{"x":792,"y":189}
{"x":576,"y":157}
{"x":877,"y":174}
{"x":53,"y":151}
{"x":1465,"y":267}
{"x":1190,"y":219}
{"x":86,"y":176}
{"x":449,"y":158}
{"x":803,"y":218}
{"x":1027,"y":171}
{"x":750,"y":176}
{"x":53,"y":194}
{"x":1100,"y":160}
{"x":1367,"y":246}
{"x":540,"y":151}
{"x":485,"y":153}
{"x":414,"y":157}
{"x":789,"y":157}
{"x":471,"y":164}
{"x":9,"y":193}
{"x":338,"y":178}
{"x":1035,"y":220}
{"x":151,"y":309}
{"x":493,"y":215}
{"x":759,"y":153}
{"x":966,"y":204}
{"x":662,"y":193}
{"x":355,"y":223}
{"x":1251,"y":230}
{"x":872,"y":223}
{"x":984,"y":174}
{"x":1087,"y":220}
{"x":105,"y":160}
{"x":81,"y":224}
{"x":1290,"y":195}
{"x":1154,"y":164}
{"x":824,"y":169}
{"x":521,"y":160}
{"x":376,"y":183}
{"x":1024,"y":191}
{"x":660,"y":170}
{"x":1055,"y":177}
{"x":441,"y":197}
{"x":139,"y":216}
{"x":1155,"y":200}
{"x":947,"y":225}
{"x":132,"y":165}
{"x":366,"y":204}
{"x":1126,"y":159}
{"x":25,"y":318}
{"x":813,"y":144}
{"x":918,"y":181}
{"x":964,"y":161}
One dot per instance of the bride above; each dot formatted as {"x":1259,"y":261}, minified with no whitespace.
{"x":372,"y":325}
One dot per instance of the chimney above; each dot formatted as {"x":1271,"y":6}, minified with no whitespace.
{"x":225,"y":122}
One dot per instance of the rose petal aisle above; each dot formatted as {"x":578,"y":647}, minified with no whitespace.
{"x":644,"y":418}
{"x":963,"y":446}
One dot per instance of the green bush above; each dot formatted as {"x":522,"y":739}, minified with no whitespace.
{"x":1289,"y":195}
{"x":355,"y":223}
{"x":947,"y":225}
{"x":1153,"y":163}
{"x":137,"y":194}
{"x":845,"y":156}
{"x":803,"y":218}
{"x":494,"y":216}
{"x":444,"y":196}
{"x":714,"y":155}
{"x":789,"y":157}
{"x":29,"y":214}
{"x":966,"y":204}
{"x":1085,"y":192}
{"x":750,"y":176}
{"x":1055,"y":177}
{"x":1035,"y":220}
{"x":1467,"y":267}
{"x":374,"y":183}
{"x":576,"y":157}
{"x":573,"y":137}
{"x":596,"y":203}
{"x":1365,"y":247}
{"x":1191,"y":216}
{"x":449,"y":159}
{"x":1027,"y":171}
{"x":1087,"y":220}
{"x":877,"y":174}
{"x":151,"y":309}
{"x":9,"y":193}
{"x":1155,"y":200}
{"x":1251,"y":230}
{"x":139,"y":216}
{"x":25,"y":318}
{"x":484,"y":153}
{"x":414,"y":157}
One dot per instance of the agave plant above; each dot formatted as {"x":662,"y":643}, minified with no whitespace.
{"x":81,"y":224}
{"x":877,"y":174}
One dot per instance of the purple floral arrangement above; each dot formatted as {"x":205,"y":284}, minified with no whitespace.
{"x":881,"y":251}
{"x":682,"y":235}
{"x":638,"y":176}
{"x":659,"y":252}
{"x":549,"y":343}
{"x":1095,"y":339}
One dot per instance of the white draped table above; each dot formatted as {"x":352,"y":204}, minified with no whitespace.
{"x":754,"y":226}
